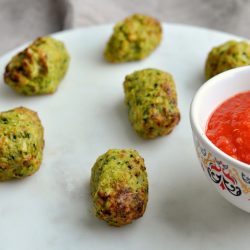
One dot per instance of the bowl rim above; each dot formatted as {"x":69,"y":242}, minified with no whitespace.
{"x":197,"y":130}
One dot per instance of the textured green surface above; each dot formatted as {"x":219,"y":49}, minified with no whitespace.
{"x":133,"y":39}
{"x":229,"y":55}
{"x":39,"y":68}
{"x":152,"y":102}
{"x":21,"y":143}
{"x":119,"y":186}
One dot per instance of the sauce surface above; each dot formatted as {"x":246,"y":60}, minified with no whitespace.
{"x":229,"y":127}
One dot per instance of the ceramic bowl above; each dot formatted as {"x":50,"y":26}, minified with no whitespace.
{"x":229,"y":176}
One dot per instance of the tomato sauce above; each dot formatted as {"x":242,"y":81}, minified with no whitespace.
{"x":229,"y":127}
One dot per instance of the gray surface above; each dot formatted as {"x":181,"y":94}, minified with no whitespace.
{"x":226,"y":15}
{"x":23,"y":20}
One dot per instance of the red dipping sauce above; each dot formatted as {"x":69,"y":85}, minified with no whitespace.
{"x":229,"y":127}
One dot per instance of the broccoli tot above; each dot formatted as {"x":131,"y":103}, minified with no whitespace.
{"x":119,"y":186}
{"x":133,"y":39}
{"x":21,"y":143}
{"x":151,"y":98}
{"x":39,"y":68}
{"x":229,"y":55}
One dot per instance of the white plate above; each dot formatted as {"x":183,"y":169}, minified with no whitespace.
{"x":87,"y":116}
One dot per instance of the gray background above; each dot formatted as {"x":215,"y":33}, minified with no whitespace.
{"x":23,"y":20}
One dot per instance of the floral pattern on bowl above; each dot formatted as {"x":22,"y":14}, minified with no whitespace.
{"x":228,"y":178}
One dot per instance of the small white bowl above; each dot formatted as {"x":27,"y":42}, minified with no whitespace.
{"x":229,"y":176}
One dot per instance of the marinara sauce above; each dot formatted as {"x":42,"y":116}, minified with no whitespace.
{"x":229,"y":127}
